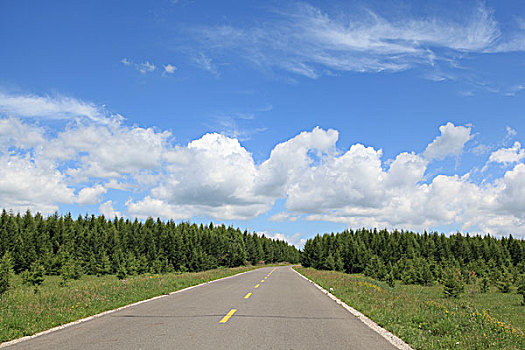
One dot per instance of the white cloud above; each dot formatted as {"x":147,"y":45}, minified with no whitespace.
{"x":108,"y":151}
{"x":213,"y":175}
{"x":511,"y":132}
{"x":295,"y":239}
{"x":108,"y":211}
{"x":145,"y":67}
{"x":283,"y":216}
{"x":169,"y":69}
{"x":290,"y":158}
{"x":450,"y":142}
{"x":47,"y":107}
{"x":510,"y":155}
{"x":14,"y":133}
{"x":216,"y":177}
{"x":307,"y":41}
{"x":25,"y":184}
{"x":91,"y":195}
{"x":206,"y":63}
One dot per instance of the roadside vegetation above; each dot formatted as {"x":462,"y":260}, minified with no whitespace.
{"x":25,"y":312}
{"x":433,"y":291}
{"x":424,"y":318}
{"x":55,"y":269}
{"x":98,"y":246}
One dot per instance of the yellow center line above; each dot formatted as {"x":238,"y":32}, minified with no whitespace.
{"x":257,"y":285}
{"x":247,"y":295}
{"x":262,"y":281}
{"x":228,"y":315}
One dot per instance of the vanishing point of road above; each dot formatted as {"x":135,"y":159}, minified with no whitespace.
{"x":267,"y":308}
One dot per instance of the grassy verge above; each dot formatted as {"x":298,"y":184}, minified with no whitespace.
{"x":24,"y":312}
{"x":424,"y":319}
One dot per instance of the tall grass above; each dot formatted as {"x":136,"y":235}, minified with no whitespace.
{"x":423,"y":318}
{"x":24,"y":312}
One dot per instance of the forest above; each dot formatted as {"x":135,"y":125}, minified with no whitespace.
{"x":98,"y":246}
{"x":420,"y":259}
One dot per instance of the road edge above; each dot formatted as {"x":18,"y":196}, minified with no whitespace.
{"x":390,"y":337}
{"x":89,"y":318}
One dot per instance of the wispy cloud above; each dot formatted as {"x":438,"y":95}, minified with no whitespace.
{"x":52,"y":107}
{"x":145,"y":67}
{"x":309,"y":42}
{"x":206,"y":63}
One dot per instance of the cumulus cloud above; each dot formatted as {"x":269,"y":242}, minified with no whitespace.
{"x":510,"y":155}
{"x":14,"y":133}
{"x":211,"y":173}
{"x":216,"y":177}
{"x":169,"y":69}
{"x":91,"y":195}
{"x":108,"y":211}
{"x":108,"y":151}
{"x":450,"y":142}
{"x":295,"y":239}
{"x":25,"y":184}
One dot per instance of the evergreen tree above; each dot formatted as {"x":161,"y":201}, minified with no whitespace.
{"x":122,"y":273}
{"x":521,"y":288}
{"x":453,"y":285}
{"x":485,"y":284}
{"x":504,"y":282}
{"x":36,"y":275}
{"x":6,"y":272}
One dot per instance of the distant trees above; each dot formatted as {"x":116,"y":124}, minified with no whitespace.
{"x":422,"y":259}
{"x":95,"y":245}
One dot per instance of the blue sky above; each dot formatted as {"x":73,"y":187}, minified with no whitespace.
{"x":291,"y":119}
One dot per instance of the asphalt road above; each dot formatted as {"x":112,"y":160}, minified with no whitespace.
{"x":283,"y":311}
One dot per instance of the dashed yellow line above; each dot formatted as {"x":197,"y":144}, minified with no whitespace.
{"x":228,"y":315}
{"x":247,"y":295}
{"x":257,"y":286}
{"x":262,"y":281}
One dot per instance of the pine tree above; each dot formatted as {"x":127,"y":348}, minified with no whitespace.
{"x":339,"y":264}
{"x":390,"y":280}
{"x":71,"y":270}
{"x":329,"y":262}
{"x":6,"y":272}
{"x":121,"y":272}
{"x":521,"y":288}
{"x":453,"y":285}
{"x":504,"y":283}
{"x":485,"y":284}
{"x":36,"y":275}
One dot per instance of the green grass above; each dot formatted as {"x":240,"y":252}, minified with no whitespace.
{"x":24,"y":312}
{"x":423,"y":318}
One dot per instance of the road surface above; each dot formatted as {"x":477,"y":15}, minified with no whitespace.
{"x":268,"y":308}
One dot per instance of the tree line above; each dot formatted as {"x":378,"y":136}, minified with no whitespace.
{"x":423,"y":259}
{"x":96,"y":245}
